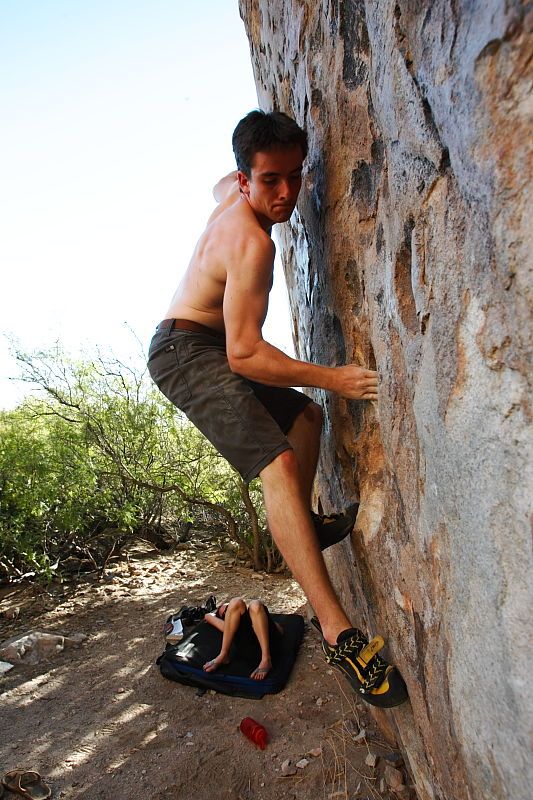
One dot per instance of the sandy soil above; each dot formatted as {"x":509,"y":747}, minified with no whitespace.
{"x":99,"y":720}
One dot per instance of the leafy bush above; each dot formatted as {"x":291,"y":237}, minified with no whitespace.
{"x":101,"y":457}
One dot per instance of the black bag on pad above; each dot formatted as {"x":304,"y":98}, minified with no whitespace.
{"x":184,"y":661}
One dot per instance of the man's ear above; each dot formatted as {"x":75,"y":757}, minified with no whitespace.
{"x":244,"y":182}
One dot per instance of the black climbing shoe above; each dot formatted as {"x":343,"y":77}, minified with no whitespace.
{"x":334,"y":528}
{"x":192,"y":615}
{"x":375,"y":681}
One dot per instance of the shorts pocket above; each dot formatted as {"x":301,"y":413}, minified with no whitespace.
{"x":169,"y":375}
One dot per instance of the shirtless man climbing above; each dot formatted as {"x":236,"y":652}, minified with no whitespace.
{"x":209,"y":358}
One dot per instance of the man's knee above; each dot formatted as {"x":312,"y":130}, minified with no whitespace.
{"x":315,"y":413}
{"x":237,"y":604}
{"x":313,"y":416}
{"x":256,"y":606}
{"x":285,"y":463}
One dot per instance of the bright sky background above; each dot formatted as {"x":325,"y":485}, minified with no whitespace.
{"x":117,"y":118}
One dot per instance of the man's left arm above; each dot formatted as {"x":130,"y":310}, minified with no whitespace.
{"x":226,"y":184}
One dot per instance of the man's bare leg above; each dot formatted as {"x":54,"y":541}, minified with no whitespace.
{"x":304,"y":437}
{"x":292,"y":528}
{"x":232,"y":620}
{"x":259,"y":620}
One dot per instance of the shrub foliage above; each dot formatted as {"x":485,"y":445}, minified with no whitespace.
{"x":97,"y":457}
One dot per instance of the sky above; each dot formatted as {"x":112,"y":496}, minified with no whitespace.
{"x":117,"y":118}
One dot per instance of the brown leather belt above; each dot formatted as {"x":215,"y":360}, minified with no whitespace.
{"x":189,"y":325}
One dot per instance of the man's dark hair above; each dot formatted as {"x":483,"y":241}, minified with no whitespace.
{"x":261,"y":131}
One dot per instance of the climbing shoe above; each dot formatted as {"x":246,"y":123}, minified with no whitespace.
{"x":192,"y":615}
{"x":333,"y":528}
{"x":375,"y":681}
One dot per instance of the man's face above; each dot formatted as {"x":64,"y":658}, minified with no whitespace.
{"x":273,"y":187}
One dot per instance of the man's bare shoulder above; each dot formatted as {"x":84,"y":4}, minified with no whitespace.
{"x":236,"y":230}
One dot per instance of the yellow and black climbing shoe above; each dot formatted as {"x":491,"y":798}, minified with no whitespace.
{"x":333,"y":528}
{"x":375,"y":681}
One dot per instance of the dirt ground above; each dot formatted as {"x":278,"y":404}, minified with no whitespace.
{"x":99,"y":720}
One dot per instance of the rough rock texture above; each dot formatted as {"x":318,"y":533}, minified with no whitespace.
{"x":410,"y":250}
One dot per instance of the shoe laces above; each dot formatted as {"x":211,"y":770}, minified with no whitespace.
{"x":374,"y":672}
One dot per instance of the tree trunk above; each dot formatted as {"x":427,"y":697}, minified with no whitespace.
{"x":254,"y":524}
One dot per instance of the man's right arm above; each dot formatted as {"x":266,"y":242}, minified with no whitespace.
{"x":213,"y":620}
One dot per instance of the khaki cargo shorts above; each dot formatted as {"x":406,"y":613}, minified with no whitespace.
{"x":247,"y":422}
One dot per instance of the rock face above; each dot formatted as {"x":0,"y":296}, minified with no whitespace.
{"x":410,"y":252}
